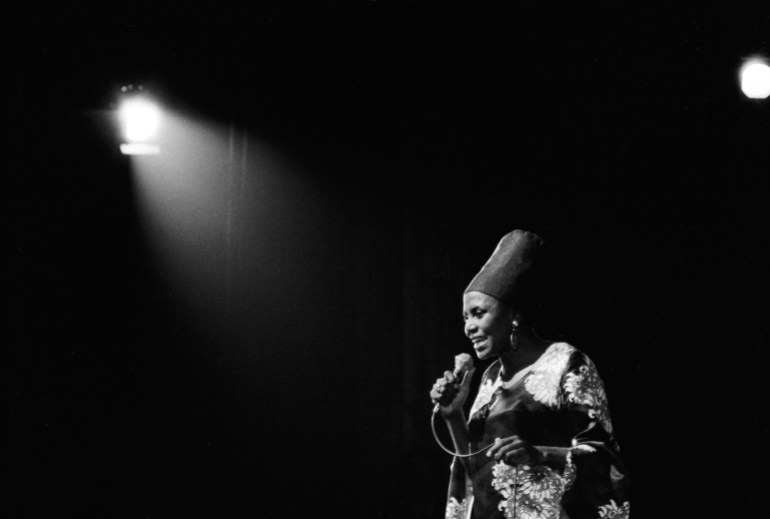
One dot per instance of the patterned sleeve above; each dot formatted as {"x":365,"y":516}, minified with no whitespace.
{"x":601,"y":485}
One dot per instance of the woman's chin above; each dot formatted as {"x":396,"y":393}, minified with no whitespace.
{"x":483,"y":354}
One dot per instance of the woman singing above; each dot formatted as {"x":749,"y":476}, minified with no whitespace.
{"x":539,"y":442}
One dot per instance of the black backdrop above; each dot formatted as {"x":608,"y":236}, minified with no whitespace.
{"x":285,"y":372}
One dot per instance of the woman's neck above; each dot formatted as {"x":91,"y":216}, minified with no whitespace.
{"x":529,"y":349}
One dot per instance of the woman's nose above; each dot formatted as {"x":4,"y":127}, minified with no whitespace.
{"x":470,"y":327}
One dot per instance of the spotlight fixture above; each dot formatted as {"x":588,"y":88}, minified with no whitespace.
{"x":140,"y":119}
{"x":755,"y":79}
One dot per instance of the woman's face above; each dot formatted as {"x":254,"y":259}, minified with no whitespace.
{"x":487,"y":324}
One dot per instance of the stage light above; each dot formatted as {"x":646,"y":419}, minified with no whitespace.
{"x":755,"y":79}
{"x":140,"y":118}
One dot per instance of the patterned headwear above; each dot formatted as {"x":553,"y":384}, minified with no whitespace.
{"x":507,"y":274}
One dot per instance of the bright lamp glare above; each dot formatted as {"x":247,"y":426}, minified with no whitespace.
{"x":140,"y":119}
{"x":755,"y":79}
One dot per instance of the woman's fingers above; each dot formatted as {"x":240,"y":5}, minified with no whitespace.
{"x":511,"y":450}
{"x":438,"y":390}
{"x":494,"y":448}
{"x":510,"y":453}
{"x":451,"y":390}
{"x":465,"y":383}
{"x":442,"y":390}
{"x":515,"y":455}
{"x":503,"y":445}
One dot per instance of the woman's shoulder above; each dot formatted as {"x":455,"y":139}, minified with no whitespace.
{"x":558,"y":353}
{"x":549,"y":371}
{"x":558,"y":359}
{"x":562,"y":359}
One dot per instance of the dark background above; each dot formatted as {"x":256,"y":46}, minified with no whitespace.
{"x":270,"y":354}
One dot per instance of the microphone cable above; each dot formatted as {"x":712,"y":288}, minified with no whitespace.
{"x":458,"y":455}
{"x":438,"y":441}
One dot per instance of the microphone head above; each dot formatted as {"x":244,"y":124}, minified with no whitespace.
{"x":463,"y":363}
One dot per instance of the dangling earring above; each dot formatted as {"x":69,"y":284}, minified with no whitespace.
{"x":514,"y":337}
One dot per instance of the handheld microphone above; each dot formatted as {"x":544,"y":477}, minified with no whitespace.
{"x":463,"y":364}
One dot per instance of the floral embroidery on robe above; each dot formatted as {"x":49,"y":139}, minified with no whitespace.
{"x":455,"y":509}
{"x":543,"y":382}
{"x":585,"y":387}
{"x":613,"y":511}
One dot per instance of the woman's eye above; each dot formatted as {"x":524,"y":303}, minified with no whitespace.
{"x":476,"y":314}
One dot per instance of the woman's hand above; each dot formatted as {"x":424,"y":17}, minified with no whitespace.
{"x":448,"y":395}
{"x":515,"y":451}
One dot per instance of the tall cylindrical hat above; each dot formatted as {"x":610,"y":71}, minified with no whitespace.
{"x":509,"y":275}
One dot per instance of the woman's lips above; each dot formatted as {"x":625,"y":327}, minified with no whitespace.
{"x":479,"y":343}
